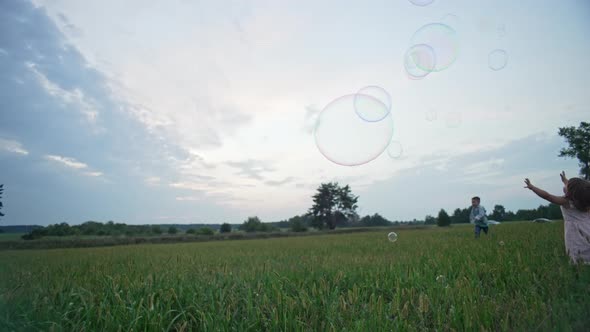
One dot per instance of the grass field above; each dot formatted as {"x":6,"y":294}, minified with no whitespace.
{"x":517,"y":279}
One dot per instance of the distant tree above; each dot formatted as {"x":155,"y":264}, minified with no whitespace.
{"x":578,"y":140}
{"x":252,"y":224}
{"x":429,"y":220}
{"x":1,"y":191}
{"x":172,"y":230}
{"x":332,"y":205}
{"x":156,"y":229}
{"x":205,"y":231}
{"x":374,"y":220}
{"x":225,"y":228}
{"x":191,"y":231}
{"x":443,"y":218}
{"x":499,"y":213}
{"x":298,"y":224}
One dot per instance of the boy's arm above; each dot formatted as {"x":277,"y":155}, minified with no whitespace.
{"x":545,"y":195}
{"x":481,"y":213}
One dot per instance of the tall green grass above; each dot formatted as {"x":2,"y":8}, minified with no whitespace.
{"x":429,"y":279}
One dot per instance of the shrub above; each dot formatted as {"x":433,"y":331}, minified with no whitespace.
{"x":225,"y":228}
{"x":206,"y":231}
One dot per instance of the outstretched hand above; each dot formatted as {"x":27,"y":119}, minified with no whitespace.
{"x":528,"y":184}
{"x":563,"y":177}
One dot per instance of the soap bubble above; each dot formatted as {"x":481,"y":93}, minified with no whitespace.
{"x":346,"y":139}
{"x":442,"y":39}
{"x":395,"y":149}
{"x":371,"y":109}
{"x":419,"y":61}
{"x":421,"y":3}
{"x":497,"y":59}
{"x":392,"y":236}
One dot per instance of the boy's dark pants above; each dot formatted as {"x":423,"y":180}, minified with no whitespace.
{"x":478,"y":229}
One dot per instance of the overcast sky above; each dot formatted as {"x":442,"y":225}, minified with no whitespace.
{"x":205,"y":111}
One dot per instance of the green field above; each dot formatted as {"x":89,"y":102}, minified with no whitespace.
{"x":517,"y":279}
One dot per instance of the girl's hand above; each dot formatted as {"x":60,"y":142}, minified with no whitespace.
{"x":528,"y":184}
{"x":563,"y":177}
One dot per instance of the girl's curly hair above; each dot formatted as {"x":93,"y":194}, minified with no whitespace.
{"x":578,"y":191}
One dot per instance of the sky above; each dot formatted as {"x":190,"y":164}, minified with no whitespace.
{"x":212,"y":111}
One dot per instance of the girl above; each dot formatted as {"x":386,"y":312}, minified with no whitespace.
{"x":575,"y":207}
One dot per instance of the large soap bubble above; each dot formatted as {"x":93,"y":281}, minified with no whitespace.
{"x":345,"y":138}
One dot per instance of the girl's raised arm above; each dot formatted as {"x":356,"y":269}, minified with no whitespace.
{"x":559,"y":200}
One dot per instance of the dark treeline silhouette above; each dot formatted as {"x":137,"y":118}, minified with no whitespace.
{"x":499,"y":213}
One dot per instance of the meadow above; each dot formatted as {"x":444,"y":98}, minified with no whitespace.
{"x":518,"y":278}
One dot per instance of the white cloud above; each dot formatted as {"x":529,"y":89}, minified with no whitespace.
{"x":93,"y":173}
{"x":68,"y":162}
{"x":12,"y":147}
{"x":152,"y":180}
{"x":73,"y":164}
{"x":75,"y":97}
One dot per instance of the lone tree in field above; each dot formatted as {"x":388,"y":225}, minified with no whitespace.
{"x":1,"y":190}
{"x":332,"y":204}
{"x":443,"y":218}
{"x":579,"y":146}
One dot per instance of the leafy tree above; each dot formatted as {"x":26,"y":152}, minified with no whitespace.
{"x":429,"y":220}
{"x":578,"y":140}
{"x":206,"y":231}
{"x":298,"y":224}
{"x":172,"y":230}
{"x":499,"y":213}
{"x":374,"y":220}
{"x":191,"y":231}
{"x":252,"y":224}
{"x":443,"y":218}
{"x":225,"y":228}
{"x":332,"y":205}
{"x":1,"y":190}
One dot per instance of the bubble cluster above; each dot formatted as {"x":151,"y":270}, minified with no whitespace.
{"x":344,"y":137}
{"x":442,"y":39}
{"x":375,"y":108}
{"x":497,"y":59}
{"x":392,"y":237}
{"x":419,"y":61}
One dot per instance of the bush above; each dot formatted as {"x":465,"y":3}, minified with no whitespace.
{"x":156,"y":229}
{"x":298,"y":225}
{"x":172,"y":230}
{"x":225,"y":228}
{"x":191,"y":231}
{"x":206,"y":231}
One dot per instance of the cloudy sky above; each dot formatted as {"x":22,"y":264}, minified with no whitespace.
{"x":206,"y":111}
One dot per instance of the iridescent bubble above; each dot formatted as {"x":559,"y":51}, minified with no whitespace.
{"x":346,"y":139}
{"x":497,"y":59}
{"x":392,"y":237}
{"x":442,"y":39}
{"x":419,"y":61}
{"x":421,"y":3}
{"x":395,"y":149}
{"x":371,"y":109}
